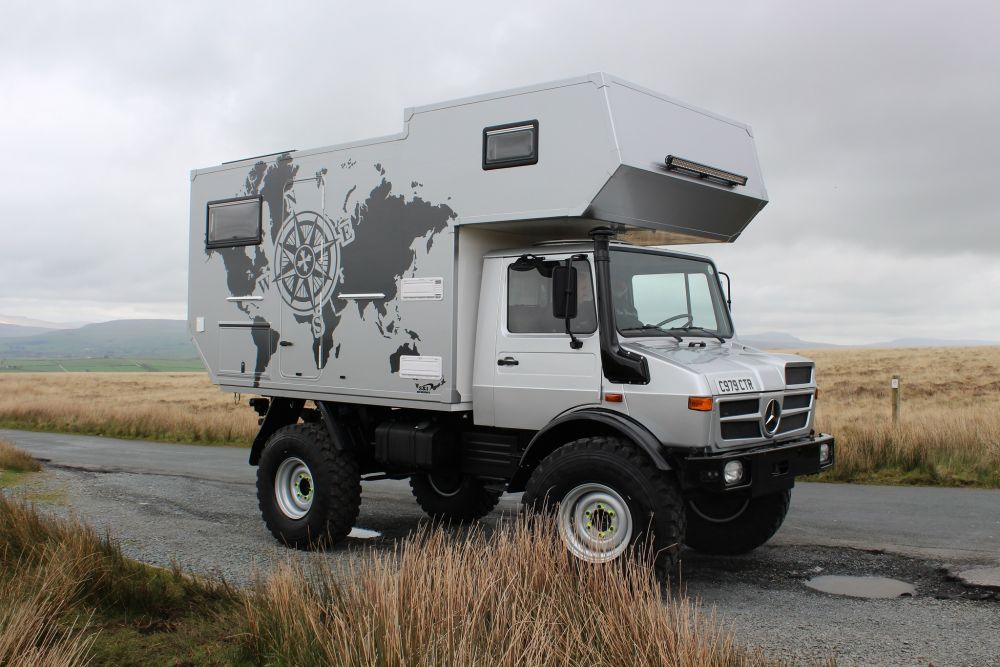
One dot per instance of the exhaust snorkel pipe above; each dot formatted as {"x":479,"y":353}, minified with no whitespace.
{"x":620,"y":366}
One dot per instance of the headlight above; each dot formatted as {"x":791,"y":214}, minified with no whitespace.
{"x":733,"y":472}
{"x":824,"y":453}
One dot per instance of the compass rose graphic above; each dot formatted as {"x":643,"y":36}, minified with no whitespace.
{"x":308,"y":257}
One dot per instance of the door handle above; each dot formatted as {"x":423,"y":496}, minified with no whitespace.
{"x":286,"y":343}
{"x":507,"y":361}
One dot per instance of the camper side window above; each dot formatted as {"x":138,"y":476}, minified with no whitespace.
{"x":529,"y":300}
{"x":233,"y":222}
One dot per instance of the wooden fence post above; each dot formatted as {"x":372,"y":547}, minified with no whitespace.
{"x":897,"y":381}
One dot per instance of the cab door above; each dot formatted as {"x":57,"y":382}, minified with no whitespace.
{"x":537,"y":375}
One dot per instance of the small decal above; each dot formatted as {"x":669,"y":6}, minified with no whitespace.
{"x":422,"y":289}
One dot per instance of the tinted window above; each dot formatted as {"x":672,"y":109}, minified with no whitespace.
{"x":234,"y":222}
{"x":529,"y":299}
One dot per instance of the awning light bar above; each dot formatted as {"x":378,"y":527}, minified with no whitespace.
{"x":704,"y":171}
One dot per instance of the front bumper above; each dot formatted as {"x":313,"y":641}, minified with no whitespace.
{"x":766,"y":470}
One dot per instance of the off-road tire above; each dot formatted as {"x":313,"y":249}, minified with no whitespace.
{"x":336,"y":487}
{"x":466,"y":502}
{"x":652,"y":495}
{"x":754,"y":526}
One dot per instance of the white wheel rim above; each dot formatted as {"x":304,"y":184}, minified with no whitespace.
{"x":441,"y":492}
{"x":595,"y":523}
{"x":293,"y":488}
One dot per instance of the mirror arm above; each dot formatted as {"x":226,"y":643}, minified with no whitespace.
{"x":729,"y":287}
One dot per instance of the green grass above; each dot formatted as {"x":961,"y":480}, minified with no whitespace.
{"x":99,"y":365}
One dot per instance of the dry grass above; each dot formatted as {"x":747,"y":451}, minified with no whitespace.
{"x":14,"y":460}
{"x":949,"y":430}
{"x":32,"y":631}
{"x":515,"y":598}
{"x":174,"y":407}
{"x":68,"y":597}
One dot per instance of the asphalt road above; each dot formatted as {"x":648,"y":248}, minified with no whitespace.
{"x":196,"y":506}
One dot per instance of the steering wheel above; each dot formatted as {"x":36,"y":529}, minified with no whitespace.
{"x":676,"y":317}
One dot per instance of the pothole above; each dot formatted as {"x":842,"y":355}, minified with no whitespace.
{"x":862,"y":587}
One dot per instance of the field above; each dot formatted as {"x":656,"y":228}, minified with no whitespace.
{"x":99,"y":365}
{"x":949,"y":432}
{"x":949,"y":428}
{"x":174,"y":407}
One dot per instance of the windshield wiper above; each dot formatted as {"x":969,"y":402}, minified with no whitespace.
{"x":653,"y":327}
{"x":714,"y":334}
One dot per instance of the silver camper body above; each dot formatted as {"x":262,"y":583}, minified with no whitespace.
{"x":363,"y":281}
{"x":442,"y":305}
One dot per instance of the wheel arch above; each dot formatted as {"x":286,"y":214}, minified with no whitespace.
{"x":580,"y":424}
{"x":286,"y":411}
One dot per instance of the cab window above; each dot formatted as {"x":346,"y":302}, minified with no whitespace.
{"x":529,"y":298}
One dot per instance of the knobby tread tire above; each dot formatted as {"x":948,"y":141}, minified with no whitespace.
{"x":336,"y":483}
{"x":755,"y":526}
{"x":652,"y":494}
{"x":472,"y":501}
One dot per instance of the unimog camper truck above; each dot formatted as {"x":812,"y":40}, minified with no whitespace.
{"x":482,"y":304}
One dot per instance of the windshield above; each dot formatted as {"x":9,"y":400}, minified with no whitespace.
{"x":653,"y":292}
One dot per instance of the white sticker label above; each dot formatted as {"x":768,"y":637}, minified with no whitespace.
{"x":199,"y":324}
{"x":419,"y":368}
{"x":422,"y":289}
{"x":736,"y":385}
{"x":895,"y":383}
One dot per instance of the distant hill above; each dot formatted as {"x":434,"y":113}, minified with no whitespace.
{"x":19,"y":321}
{"x":17,"y":331}
{"x":932,"y":342}
{"x":121,"y":339}
{"x":776,"y":340}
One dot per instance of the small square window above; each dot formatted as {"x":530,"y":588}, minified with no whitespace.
{"x":510,"y":145}
{"x":233,"y":222}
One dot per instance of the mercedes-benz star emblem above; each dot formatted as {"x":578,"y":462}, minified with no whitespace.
{"x":772,"y":417}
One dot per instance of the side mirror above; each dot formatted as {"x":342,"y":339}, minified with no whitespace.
{"x":564,"y":292}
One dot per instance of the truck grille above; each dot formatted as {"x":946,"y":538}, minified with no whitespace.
{"x":798,"y":373}
{"x":740,"y":418}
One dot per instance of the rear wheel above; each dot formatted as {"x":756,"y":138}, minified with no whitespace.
{"x":452,"y":496}
{"x":729,"y":525}
{"x":309,"y":492}
{"x":606,"y":495}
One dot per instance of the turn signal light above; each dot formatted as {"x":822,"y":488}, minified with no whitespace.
{"x":700,"y":403}
{"x":613,"y":398}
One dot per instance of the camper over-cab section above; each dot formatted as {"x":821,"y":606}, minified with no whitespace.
{"x":353,"y":272}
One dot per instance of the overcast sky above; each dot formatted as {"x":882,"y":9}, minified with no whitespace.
{"x":877,"y":126}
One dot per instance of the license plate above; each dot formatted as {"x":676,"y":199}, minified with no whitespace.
{"x":736,"y":385}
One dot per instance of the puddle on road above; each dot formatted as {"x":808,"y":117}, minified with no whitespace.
{"x":862,"y":587}
{"x":364,"y":534}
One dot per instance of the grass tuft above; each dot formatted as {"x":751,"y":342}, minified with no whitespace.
{"x":513,"y":598}
{"x":15,"y":460}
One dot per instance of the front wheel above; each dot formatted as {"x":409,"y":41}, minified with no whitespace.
{"x":606,"y":495}
{"x":309,"y":491}
{"x":730,"y":525}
